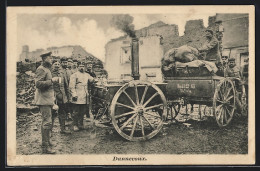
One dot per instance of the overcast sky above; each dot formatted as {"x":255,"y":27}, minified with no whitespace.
{"x":92,"y":32}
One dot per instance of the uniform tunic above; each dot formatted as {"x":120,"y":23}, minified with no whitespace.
{"x":212,"y":50}
{"x":69,"y":72}
{"x":44,"y":94}
{"x":233,"y":72}
{"x":74,"y":70}
{"x":61,"y":90}
{"x":79,"y":86}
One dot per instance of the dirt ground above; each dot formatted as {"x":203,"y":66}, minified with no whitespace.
{"x":198,"y":137}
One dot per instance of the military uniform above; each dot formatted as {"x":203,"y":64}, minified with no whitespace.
{"x":212,"y":50}
{"x":232,"y":72}
{"x":211,"y":47}
{"x":79,"y":88}
{"x":61,"y":91}
{"x":44,"y":98}
{"x":73,"y":70}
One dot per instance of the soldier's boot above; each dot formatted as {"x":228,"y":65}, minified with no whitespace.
{"x":46,"y":148}
{"x":80,"y":123}
{"x":50,"y":142}
{"x":51,"y":134}
{"x":62,"y":127}
{"x":75,"y":121}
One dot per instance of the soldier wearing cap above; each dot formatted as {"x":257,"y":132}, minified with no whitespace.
{"x":74,"y":66}
{"x":222,"y":66}
{"x":64,"y":62}
{"x":89,"y":70}
{"x":68,"y":74}
{"x":44,"y":98}
{"x":68,"y":69}
{"x":61,"y":91}
{"x":211,"y":47}
{"x":232,"y":70}
{"x":79,"y":82}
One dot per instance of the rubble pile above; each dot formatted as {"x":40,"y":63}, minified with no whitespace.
{"x":25,"y":91}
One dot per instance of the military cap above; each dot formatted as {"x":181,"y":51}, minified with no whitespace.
{"x":46,"y":54}
{"x":209,"y":30}
{"x":224,"y":57}
{"x":54,"y":61}
{"x":70,"y":60}
{"x":63,"y":59}
{"x":88,"y":62}
{"x":231,"y":59}
{"x":81,"y":62}
{"x":75,"y":60}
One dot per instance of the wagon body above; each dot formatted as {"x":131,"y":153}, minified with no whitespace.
{"x":196,"y":90}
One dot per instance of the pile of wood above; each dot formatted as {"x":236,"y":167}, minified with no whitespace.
{"x":25,"y":91}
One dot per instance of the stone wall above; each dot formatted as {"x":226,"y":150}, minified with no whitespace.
{"x":159,"y":28}
{"x":194,"y":35}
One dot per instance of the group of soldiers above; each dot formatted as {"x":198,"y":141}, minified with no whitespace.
{"x":62,"y":89}
{"x":226,"y":66}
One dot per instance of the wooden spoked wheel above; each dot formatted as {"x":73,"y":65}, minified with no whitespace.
{"x":138,"y":110}
{"x":224,"y":102}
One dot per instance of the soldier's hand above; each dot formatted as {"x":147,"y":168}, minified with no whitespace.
{"x":55,"y":79}
{"x":75,"y":98}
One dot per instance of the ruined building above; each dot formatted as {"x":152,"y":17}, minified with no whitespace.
{"x":158,"y":38}
{"x":76,"y":52}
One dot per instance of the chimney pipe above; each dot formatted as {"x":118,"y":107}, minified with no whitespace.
{"x":135,"y":59}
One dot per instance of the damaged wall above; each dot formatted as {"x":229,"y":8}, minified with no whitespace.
{"x":194,"y":35}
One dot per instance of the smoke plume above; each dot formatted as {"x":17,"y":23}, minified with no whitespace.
{"x":124,"y":23}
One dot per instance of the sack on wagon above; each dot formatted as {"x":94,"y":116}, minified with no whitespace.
{"x":211,"y":67}
{"x":182,"y":54}
{"x":185,"y":57}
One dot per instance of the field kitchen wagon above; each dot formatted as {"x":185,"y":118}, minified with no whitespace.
{"x":137,"y":109}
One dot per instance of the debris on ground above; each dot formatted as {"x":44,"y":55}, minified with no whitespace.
{"x":25,"y":92}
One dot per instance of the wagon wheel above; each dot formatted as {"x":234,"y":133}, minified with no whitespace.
{"x":224,"y":102}
{"x":138,"y":110}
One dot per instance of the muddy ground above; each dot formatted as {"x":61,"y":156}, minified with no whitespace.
{"x":198,"y":137}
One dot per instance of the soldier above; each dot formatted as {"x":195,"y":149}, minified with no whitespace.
{"x":79,"y":82}
{"x":89,"y":70}
{"x":63,"y":70}
{"x":44,"y":98}
{"x":74,"y":66}
{"x":64,"y":63}
{"x":245,"y":74}
{"x":232,"y":70}
{"x":211,"y":47}
{"x":61,"y":91}
{"x":222,"y":66}
{"x":69,"y":68}
{"x":69,"y":72}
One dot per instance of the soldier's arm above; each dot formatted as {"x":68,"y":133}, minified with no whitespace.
{"x":72,"y":85}
{"x":40,"y":81}
{"x":209,"y":45}
{"x":66,"y":87}
{"x":90,"y":78}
